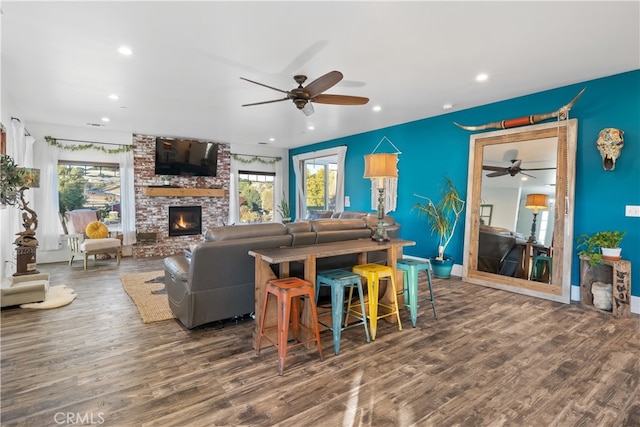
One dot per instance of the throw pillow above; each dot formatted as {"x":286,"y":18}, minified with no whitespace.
{"x":96,"y":230}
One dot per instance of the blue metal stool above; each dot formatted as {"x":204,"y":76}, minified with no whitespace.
{"x":339,"y":280}
{"x":410,"y":269}
{"x":542,"y":268}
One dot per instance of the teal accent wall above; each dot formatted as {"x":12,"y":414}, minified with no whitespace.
{"x":433,"y":148}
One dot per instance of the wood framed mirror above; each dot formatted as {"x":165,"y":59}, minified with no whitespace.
{"x":527,"y":247}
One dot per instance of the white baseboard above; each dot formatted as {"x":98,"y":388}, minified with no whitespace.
{"x":575,"y":290}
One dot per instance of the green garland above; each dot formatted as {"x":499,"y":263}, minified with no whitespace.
{"x":53,"y":142}
{"x":255,"y":159}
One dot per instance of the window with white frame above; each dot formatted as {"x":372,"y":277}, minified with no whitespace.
{"x":256,"y":196}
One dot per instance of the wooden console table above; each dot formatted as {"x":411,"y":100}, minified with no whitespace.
{"x":618,"y":273}
{"x":307,"y":255}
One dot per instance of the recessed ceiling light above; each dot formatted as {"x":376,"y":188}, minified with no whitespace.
{"x":125,"y":50}
{"x":105,"y":119}
{"x":524,"y":178}
{"x":311,"y":127}
{"x":113,"y":97}
{"x":447,"y":106}
{"x":376,"y":108}
{"x":272,"y":139}
{"x":482,"y":77}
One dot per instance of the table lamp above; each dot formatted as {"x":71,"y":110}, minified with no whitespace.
{"x":380,"y":166}
{"x":535,"y":202}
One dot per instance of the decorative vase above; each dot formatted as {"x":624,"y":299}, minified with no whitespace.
{"x":611,"y":254}
{"x":442,"y":267}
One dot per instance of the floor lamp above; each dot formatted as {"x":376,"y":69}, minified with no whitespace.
{"x":535,"y":202}
{"x":380,"y":166}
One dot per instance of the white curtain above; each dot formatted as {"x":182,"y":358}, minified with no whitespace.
{"x":234,"y":199}
{"x":278,"y":186}
{"x":49,"y":228}
{"x":127,"y":198}
{"x":390,"y":194}
{"x":301,"y":199}
{"x":20,"y":148}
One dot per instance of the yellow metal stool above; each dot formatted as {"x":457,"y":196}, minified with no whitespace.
{"x":373,"y":273}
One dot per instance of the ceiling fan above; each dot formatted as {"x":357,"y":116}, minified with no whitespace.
{"x":302,"y":97}
{"x":512,"y":170}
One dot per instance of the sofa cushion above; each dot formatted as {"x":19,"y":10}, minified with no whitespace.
{"x":244,"y":231}
{"x":319,"y":225}
{"x":319,"y":214}
{"x":349,"y":214}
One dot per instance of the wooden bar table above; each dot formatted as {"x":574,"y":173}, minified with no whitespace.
{"x":307,"y":255}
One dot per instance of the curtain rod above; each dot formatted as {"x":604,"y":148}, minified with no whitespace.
{"x":89,"y":142}
{"x":26,"y":132}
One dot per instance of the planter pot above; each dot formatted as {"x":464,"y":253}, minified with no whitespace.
{"x":611,"y":254}
{"x":442,"y":268}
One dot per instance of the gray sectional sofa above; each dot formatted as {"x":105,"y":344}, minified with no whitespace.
{"x":214,"y":280}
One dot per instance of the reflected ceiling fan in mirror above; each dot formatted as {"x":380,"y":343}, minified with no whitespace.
{"x":512,"y":170}
{"x":302,"y":97}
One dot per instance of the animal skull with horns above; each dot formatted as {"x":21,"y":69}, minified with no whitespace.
{"x":610,"y":142}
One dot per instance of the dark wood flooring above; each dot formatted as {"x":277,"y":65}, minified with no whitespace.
{"x":491,"y":359}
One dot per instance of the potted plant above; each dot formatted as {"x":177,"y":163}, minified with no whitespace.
{"x":442,"y":217}
{"x":284,"y":209}
{"x":11,"y":179}
{"x":603,"y":245}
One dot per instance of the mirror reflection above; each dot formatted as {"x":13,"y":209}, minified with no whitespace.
{"x":517,"y":203}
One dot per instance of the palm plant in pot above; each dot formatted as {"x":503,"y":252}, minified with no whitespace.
{"x":443,"y":217}
{"x":603,"y":245}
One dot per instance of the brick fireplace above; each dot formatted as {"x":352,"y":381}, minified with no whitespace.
{"x":185,"y":220}
{"x":152,"y":211}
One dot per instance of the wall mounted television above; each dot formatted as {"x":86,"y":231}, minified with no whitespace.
{"x":184,"y":157}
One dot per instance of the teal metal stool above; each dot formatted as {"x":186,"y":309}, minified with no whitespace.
{"x":410,"y":269}
{"x":542,"y":266}
{"x":339,"y":281}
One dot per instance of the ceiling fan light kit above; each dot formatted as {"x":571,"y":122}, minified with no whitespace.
{"x":302,"y":97}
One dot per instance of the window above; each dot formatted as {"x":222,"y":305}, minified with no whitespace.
{"x":320,"y":182}
{"x":256,"y":196}
{"x":90,"y":186}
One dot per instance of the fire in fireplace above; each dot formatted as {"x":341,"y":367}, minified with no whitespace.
{"x":185,"y":220}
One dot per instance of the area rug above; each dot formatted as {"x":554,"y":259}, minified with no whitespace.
{"x":139,"y":287}
{"x":57,"y":296}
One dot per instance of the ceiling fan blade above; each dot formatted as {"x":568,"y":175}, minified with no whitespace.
{"x":538,"y":169}
{"x":340,"y":99}
{"x":262,"y":84}
{"x":265,"y":102}
{"x":323,"y":83}
{"x":526,"y":174}
{"x":494,"y":168}
{"x":500,"y":173}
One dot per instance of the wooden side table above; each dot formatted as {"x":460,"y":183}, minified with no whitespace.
{"x":618,"y":273}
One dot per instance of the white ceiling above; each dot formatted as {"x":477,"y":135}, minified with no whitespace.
{"x":60,"y":61}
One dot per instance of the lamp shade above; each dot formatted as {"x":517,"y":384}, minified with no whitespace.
{"x":537,"y":201}
{"x":383,"y":165}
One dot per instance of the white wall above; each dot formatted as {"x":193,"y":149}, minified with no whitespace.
{"x":101,"y":135}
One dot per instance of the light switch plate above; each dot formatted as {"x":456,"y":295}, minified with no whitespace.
{"x":632,"y":210}
{"x":347,"y":201}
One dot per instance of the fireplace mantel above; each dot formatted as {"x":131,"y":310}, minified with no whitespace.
{"x":183,"y":192}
